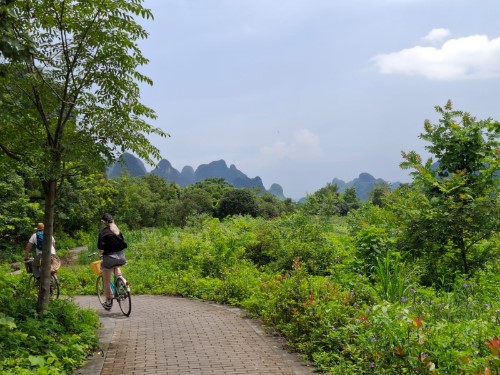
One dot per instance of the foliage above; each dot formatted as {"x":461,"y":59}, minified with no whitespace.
{"x":75,"y":100}
{"x":12,"y":46}
{"x":356,"y":294}
{"x":191,"y":202}
{"x":460,"y":206}
{"x":56,"y":342}
{"x":237,"y":202}
{"x":344,"y":320}
{"x":17,"y":215}
{"x":327,"y":201}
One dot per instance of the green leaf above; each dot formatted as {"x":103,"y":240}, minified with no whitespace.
{"x":37,"y":360}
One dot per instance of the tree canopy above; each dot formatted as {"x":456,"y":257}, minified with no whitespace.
{"x":459,"y":206}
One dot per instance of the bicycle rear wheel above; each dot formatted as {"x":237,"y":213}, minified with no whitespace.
{"x":123,"y":297}
{"x":54,"y":287}
{"x":100,"y":289}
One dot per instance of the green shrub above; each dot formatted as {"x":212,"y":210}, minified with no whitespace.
{"x":56,"y":342}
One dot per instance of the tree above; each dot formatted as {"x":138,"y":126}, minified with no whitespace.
{"x":460,"y":204}
{"x":238,"y":202}
{"x":376,"y":196}
{"x":326,"y":201}
{"x":350,"y":201}
{"x":215,"y":186}
{"x":74,"y":103}
{"x":191,"y":202}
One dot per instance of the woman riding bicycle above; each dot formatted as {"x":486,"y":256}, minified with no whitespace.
{"x":112,"y":243}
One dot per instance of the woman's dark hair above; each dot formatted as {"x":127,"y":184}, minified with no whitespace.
{"x":108,"y":218}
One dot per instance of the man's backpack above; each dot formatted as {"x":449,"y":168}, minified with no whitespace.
{"x":39,"y":240}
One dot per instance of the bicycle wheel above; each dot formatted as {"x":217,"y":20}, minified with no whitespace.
{"x":54,"y":287}
{"x":100,"y":289}
{"x":123,"y":297}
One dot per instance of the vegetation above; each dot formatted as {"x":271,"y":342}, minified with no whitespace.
{"x":55,"y":342}
{"x":405,"y":283}
{"x":74,"y":99}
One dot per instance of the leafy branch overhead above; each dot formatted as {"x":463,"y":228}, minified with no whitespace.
{"x":80,"y":87}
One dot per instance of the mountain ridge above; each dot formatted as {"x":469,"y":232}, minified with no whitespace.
{"x":363,"y":184}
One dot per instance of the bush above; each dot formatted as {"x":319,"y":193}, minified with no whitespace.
{"x":56,"y":342}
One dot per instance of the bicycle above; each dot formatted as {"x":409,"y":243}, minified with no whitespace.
{"x":120,"y":288}
{"x":54,"y":281}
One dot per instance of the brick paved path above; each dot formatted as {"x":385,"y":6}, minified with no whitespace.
{"x":170,"y":335}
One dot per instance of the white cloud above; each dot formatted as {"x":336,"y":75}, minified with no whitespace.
{"x":437,"y":35}
{"x":304,"y":146}
{"x":472,"y":57}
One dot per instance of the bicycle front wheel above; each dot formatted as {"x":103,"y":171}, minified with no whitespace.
{"x":100,"y":289}
{"x":123,"y":297}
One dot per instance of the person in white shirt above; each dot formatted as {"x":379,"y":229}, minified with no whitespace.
{"x":37,"y":240}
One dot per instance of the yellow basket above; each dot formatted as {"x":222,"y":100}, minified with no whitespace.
{"x":96,"y":267}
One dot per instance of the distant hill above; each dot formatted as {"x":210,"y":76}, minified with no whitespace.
{"x":188,"y":176}
{"x":363,"y":184}
{"x":219,"y":169}
{"x":127,"y":163}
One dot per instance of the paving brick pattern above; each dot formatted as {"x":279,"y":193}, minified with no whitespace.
{"x":170,"y":335}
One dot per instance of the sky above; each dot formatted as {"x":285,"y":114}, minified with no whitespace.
{"x":299,"y":92}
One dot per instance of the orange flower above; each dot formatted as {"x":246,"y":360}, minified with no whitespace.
{"x":399,"y":351}
{"x":417,"y":322}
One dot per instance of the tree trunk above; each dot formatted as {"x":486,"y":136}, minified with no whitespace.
{"x":49,"y":188}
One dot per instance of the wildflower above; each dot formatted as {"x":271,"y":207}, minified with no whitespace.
{"x":413,"y":291}
{"x":399,"y":351}
{"x":403,"y":299}
{"x":373,"y":339}
{"x":466,"y":285}
{"x":422,"y":356}
{"x":371,"y":365}
{"x":417,"y":322}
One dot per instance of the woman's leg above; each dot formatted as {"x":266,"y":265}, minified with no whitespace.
{"x":106,"y":278}
{"x":118,"y":272}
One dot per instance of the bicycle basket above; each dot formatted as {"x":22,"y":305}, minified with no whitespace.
{"x":55,"y":263}
{"x":96,"y":267}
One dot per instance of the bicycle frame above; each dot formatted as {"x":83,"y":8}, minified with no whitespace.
{"x":120,"y":290}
